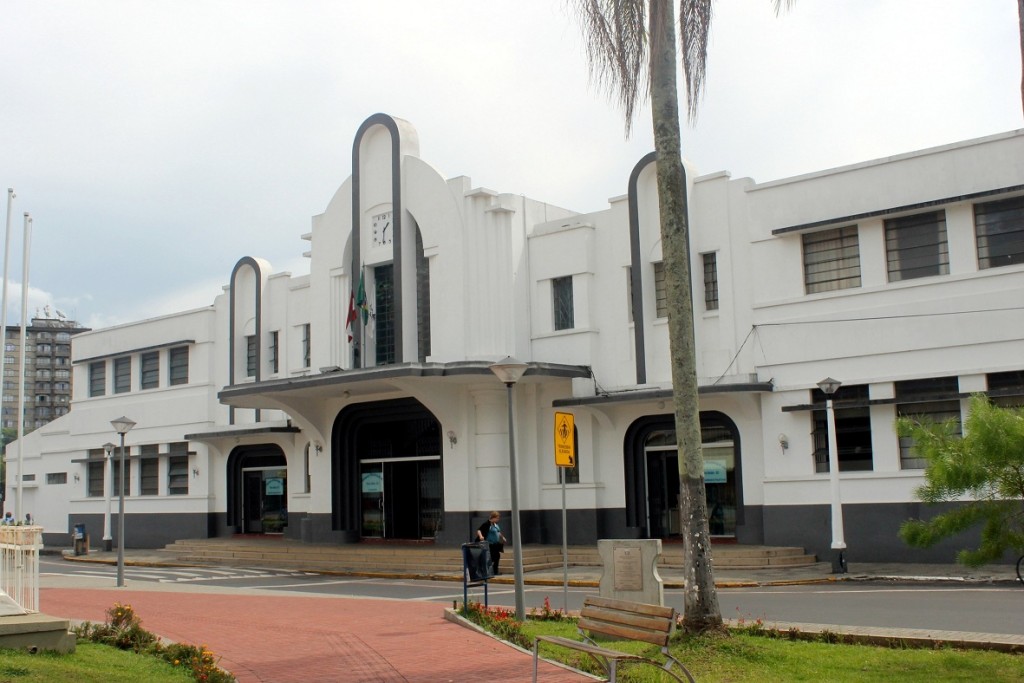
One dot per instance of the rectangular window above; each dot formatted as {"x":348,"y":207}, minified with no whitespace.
{"x":177,"y":475}
{"x":710,"y":281}
{"x":150,"y":377}
{"x":273,"y":352}
{"x":149,"y":468}
{"x":384,"y":318}
{"x":915,"y":246}
{"x":306,"y":346}
{"x":831,"y":259}
{"x":925,"y":400}
{"x":122,"y":375}
{"x":660,"y":291}
{"x":250,"y":355}
{"x":98,"y":378}
{"x":94,"y":473}
{"x":999,"y":231}
{"x":561,"y":295}
{"x":56,"y":477}
{"x":853,"y":429}
{"x":178,"y":362}
{"x":1006,"y":389}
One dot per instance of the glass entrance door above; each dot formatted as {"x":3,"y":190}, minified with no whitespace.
{"x":662,"y":493}
{"x":401,"y":497}
{"x":264,"y":496}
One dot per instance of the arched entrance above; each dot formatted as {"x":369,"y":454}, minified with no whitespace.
{"x":388,"y":475}
{"x":257,"y":490}
{"x":652,"y":475}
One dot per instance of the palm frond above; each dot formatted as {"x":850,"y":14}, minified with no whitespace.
{"x":694,"y":29}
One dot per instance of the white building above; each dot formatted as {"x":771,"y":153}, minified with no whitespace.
{"x":901,"y":277}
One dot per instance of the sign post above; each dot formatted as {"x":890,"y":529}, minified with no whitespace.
{"x":565,"y":457}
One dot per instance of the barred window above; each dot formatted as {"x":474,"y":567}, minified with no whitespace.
{"x":916,"y":246}
{"x":660,"y":291}
{"x":122,"y":375}
{"x":999,"y":231}
{"x":177,"y":475}
{"x":149,"y":469}
{"x":831,"y":259}
{"x":932,"y":400}
{"x":853,"y":429}
{"x":98,"y":378}
{"x":150,"y":373}
{"x":710,"y":281}
{"x":306,"y":346}
{"x":250,"y":355}
{"x":178,"y":361}
{"x":561,"y":293}
{"x":273,"y":351}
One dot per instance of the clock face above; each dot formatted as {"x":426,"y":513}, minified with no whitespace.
{"x":382,"y":229}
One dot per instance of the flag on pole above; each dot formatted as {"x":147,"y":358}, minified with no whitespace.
{"x":361,"y":302}
{"x":351,"y":314}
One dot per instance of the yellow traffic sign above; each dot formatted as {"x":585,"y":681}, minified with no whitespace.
{"x":565,"y":443}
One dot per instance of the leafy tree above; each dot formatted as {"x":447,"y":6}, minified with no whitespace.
{"x":631,"y":45}
{"x":985,"y":467}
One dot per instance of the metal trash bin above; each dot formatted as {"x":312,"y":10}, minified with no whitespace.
{"x":81,"y":540}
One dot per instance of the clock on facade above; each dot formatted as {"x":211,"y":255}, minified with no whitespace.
{"x":382,"y":229}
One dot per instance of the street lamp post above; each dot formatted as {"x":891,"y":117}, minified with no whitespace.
{"x":509,"y":371}
{"x":829,"y":387}
{"x":108,"y":540}
{"x":121,"y":425}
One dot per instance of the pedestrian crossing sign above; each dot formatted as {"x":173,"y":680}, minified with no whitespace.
{"x":565,"y":440}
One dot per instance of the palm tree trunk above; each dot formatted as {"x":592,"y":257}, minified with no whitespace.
{"x":700,"y":601}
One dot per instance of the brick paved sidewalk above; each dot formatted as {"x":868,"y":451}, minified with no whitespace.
{"x":280,"y":639}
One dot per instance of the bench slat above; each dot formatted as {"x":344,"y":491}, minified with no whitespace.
{"x":659,"y":624}
{"x":623,"y":632}
{"x":637,"y":607}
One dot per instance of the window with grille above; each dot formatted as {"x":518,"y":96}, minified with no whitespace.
{"x":660,"y":291}
{"x":1006,"y":389}
{"x":150,"y":372}
{"x":561,"y":293}
{"x":56,"y":477}
{"x":250,"y":355}
{"x":94,"y":473}
{"x":853,"y":429}
{"x":177,"y":475}
{"x":273,"y":352}
{"x":98,"y":378}
{"x":384,"y":316}
{"x":178,"y":363}
{"x":115,"y":472}
{"x":831,"y":259}
{"x":306,"y":346}
{"x":915,"y":246}
{"x":122,"y":375}
{"x":933,"y":400}
{"x":999,"y":231}
{"x":710,"y":281}
{"x":149,"y":470}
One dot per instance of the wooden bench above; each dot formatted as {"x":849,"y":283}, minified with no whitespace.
{"x":621,"y":620}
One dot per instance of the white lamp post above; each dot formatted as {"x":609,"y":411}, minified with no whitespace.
{"x":829,"y":387}
{"x":122,"y":426}
{"x":509,"y":371}
{"x":108,"y":539}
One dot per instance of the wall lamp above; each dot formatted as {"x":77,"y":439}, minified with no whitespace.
{"x":784,"y":442}
{"x":452,"y":439}
{"x":195,"y":472}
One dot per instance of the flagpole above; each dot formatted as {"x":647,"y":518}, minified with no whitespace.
{"x":26,"y":248}
{"x":3,"y":307}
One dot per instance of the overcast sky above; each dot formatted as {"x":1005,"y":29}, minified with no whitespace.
{"x":156,"y":143}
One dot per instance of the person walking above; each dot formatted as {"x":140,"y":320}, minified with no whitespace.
{"x":490,"y":531}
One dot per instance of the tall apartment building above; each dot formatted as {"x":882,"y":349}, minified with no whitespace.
{"x":47,"y":370}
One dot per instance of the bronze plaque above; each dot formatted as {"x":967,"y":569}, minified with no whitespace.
{"x":628,"y":569}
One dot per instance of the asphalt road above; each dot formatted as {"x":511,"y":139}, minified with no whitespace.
{"x":977,"y":608}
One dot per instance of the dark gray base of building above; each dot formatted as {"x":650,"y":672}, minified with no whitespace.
{"x":871,"y":530}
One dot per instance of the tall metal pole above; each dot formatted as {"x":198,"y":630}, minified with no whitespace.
{"x":108,"y":487}
{"x":26,"y":248}
{"x":838,"y":539}
{"x":517,"y":542}
{"x":120,"y":520}
{"x":7,"y":253}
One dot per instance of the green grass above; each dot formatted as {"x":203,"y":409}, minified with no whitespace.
{"x":745,"y":656}
{"x":90,"y":663}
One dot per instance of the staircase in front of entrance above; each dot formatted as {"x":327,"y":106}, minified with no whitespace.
{"x":373,"y":558}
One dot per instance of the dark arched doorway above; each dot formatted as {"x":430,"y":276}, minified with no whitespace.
{"x":257,"y":490}
{"x":652,"y":475}
{"x":388,"y":475}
